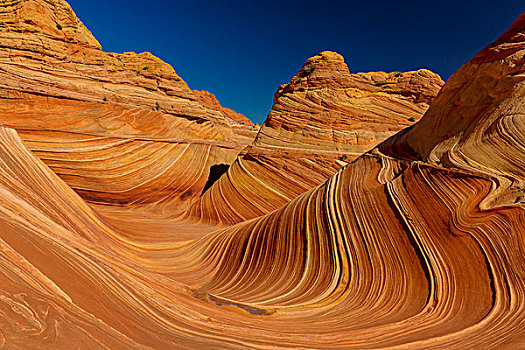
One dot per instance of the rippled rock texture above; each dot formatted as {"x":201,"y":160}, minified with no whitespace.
{"x":118,"y":128}
{"x":477,"y":123}
{"x":417,"y":244}
{"x":323,"y":119}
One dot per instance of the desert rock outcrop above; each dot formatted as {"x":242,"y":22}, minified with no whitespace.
{"x":417,"y":244}
{"x":134,"y":123}
{"x":324,"y":118}
{"x":244,"y":129}
{"x":477,"y":121}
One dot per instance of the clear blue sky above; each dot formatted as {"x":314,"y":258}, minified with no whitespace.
{"x":243,"y":50}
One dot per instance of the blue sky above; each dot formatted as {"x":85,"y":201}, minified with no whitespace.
{"x":243,"y":50}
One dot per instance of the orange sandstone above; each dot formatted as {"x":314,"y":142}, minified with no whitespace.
{"x":118,"y":128}
{"x":323,"y":119}
{"x":417,"y":244}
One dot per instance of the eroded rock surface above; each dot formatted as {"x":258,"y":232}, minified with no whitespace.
{"x":415,"y":245}
{"x":323,"y":119}
{"x":134,"y":123}
{"x":244,"y":129}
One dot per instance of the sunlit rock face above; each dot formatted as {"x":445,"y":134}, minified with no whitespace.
{"x":477,"y":122}
{"x":417,"y":244}
{"x":323,"y":119}
{"x":118,"y":128}
{"x":325,"y":107}
{"x":244,"y":129}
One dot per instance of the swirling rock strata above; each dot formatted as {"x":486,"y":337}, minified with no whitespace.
{"x":395,"y":250}
{"x":373,"y":258}
{"x":53,"y":66}
{"x":135,"y":124}
{"x":324,"y":118}
{"x":476,"y":123}
{"x":121,"y":171}
{"x":324,"y":107}
{"x":379,"y":252}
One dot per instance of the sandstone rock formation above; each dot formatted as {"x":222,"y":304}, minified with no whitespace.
{"x":244,"y":129}
{"x":324,"y":118}
{"x":477,"y":121}
{"x":379,"y":250}
{"x":130,"y":116}
{"x":324,"y":107}
{"x":417,"y":244}
{"x":209,"y":100}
